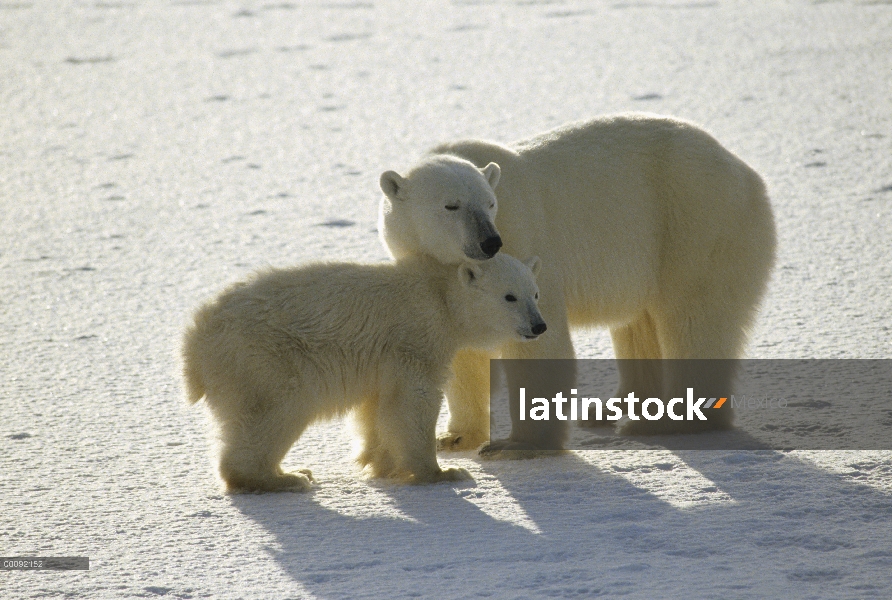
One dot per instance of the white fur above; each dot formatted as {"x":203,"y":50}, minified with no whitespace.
{"x":647,"y":224}
{"x":291,"y":346}
{"x":468,"y":194}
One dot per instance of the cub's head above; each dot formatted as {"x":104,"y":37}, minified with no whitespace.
{"x":445,"y":207}
{"x":500,"y":299}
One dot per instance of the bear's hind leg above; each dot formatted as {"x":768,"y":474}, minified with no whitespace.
{"x":638,"y":354}
{"x":407,"y":421}
{"x":252,"y":449}
{"x":703,"y":343}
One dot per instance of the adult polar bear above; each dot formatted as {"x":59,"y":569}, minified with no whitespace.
{"x":645,"y":224}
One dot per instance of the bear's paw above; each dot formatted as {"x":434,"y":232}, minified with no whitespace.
{"x":511,"y":450}
{"x":457,"y":442}
{"x":447,"y":474}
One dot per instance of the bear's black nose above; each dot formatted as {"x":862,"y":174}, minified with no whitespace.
{"x":539,"y":328}
{"x":491,"y":245}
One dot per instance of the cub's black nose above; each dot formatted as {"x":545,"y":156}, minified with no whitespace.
{"x":539,"y":328}
{"x":491,"y":245}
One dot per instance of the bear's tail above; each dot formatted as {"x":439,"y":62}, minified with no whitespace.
{"x":191,"y":373}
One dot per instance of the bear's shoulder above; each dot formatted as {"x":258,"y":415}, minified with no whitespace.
{"x":479,"y":152}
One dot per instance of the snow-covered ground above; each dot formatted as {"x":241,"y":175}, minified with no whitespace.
{"x":152,"y":152}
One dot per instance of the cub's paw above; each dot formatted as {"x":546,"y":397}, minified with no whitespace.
{"x":301,"y":481}
{"x":448,"y":474}
{"x":454,"y":474}
{"x":510,"y":450}
{"x":307,"y":473}
{"x":455,"y":442}
{"x":282,"y":482}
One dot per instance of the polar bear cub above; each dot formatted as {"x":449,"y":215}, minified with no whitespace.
{"x":291,"y":346}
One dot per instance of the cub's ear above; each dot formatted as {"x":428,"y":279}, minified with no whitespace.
{"x":469,"y":274}
{"x":391,"y":184}
{"x":492,"y":172}
{"x":534,"y":264}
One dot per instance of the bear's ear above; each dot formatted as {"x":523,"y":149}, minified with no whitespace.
{"x":492,"y":172}
{"x":534,"y":263}
{"x":469,"y":274}
{"x":391,"y":184}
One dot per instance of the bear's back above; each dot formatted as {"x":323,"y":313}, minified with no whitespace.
{"x":350,"y":308}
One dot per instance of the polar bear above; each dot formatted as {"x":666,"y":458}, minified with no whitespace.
{"x":648,"y":225}
{"x":291,"y":346}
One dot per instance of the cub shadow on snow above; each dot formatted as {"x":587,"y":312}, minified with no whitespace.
{"x":595,"y":529}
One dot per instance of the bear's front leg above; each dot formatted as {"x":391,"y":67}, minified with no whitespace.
{"x":407,"y":419}
{"x":540,"y":378}
{"x":709,"y":378}
{"x":467,"y":395}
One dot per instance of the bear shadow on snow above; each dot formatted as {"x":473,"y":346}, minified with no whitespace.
{"x":617,"y":525}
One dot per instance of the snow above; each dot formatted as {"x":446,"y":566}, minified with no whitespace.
{"x":152,"y":152}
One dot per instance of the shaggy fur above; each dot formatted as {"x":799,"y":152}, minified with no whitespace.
{"x":291,"y":346}
{"x":647,"y":224}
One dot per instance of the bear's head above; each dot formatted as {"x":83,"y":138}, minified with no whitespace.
{"x":445,"y":207}
{"x":498,"y":300}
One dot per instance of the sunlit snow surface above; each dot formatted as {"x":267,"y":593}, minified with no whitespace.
{"x":152,"y":152}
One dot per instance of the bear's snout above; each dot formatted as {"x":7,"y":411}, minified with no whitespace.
{"x":491,"y":245}
{"x":539,"y":328}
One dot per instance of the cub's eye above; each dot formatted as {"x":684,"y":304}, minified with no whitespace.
{"x":451,"y":208}
{"x":537,"y":295}
{"x":510,"y":298}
